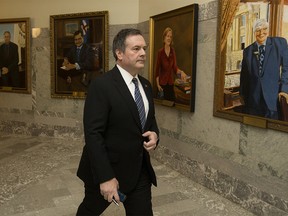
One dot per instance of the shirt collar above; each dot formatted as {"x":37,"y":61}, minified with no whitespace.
{"x":126,"y":75}
{"x":80,"y":47}
{"x":261,"y":44}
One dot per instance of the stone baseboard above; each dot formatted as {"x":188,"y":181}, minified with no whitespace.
{"x":249,"y":196}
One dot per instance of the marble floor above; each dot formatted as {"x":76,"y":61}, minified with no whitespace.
{"x":38,"y":178}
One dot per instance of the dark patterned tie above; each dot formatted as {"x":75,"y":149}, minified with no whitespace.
{"x":139,"y":102}
{"x":78,"y":54}
{"x":261,"y":59}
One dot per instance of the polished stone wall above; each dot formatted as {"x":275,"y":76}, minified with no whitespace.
{"x":245,"y":164}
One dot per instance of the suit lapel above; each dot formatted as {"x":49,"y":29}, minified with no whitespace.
{"x":254,"y":64}
{"x":267,"y":52}
{"x":74,"y":53}
{"x":148,"y":95}
{"x":127,"y":97}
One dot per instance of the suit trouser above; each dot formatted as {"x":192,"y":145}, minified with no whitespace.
{"x":262,"y":109}
{"x":169,"y":93}
{"x":11,"y":79}
{"x":138,"y":202}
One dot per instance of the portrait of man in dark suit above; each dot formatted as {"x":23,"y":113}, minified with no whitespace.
{"x":264,"y":73}
{"x":120,"y":129}
{"x":77,"y":66}
{"x":9,"y":59}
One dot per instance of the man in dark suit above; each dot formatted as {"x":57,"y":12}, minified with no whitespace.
{"x":78,"y":64}
{"x":264,"y":73}
{"x":116,"y":152}
{"x":9,"y":59}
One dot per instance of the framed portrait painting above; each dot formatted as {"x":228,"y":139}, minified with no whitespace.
{"x":250,"y":88}
{"x":79,"y":52}
{"x":173,"y":42}
{"x":15,"y":55}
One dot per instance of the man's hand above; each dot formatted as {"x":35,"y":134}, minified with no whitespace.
{"x":69,"y":80}
{"x":152,"y":140}
{"x":65,"y":62}
{"x":285,"y":95}
{"x":109,"y":189}
{"x":70,"y":66}
{"x":5,"y":70}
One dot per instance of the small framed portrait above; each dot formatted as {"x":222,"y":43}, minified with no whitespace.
{"x":79,"y":52}
{"x":173,"y":42}
{"x":15,"y":55}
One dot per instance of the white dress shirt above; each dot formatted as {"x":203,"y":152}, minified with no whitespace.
{"x":131,"y":86}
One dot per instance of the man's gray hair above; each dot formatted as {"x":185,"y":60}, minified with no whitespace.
{"x":260,"y":23}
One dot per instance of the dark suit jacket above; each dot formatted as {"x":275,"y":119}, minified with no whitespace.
{"x":86,"y":57}
{"x":113,"y":133}
{"x":86,"y":63}
{"x":10,"y":61}
{"x":271,"y":82}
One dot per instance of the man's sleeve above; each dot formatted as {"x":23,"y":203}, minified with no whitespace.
{"x":96,"y":113}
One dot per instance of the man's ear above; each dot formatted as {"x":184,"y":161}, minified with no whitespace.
{"x":119,"y":54}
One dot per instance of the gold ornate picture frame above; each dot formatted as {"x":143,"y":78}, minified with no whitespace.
{"x":15,"y":71}
{"x":234,"y":34}
{"x":94,"y":29}
{"x":184,"y":25}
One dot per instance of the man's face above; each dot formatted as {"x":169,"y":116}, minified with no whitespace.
{"x":78,"y":40}
{"x":7,"y":38}
{"x":261,"y":34}
{"x":134,"y":56}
